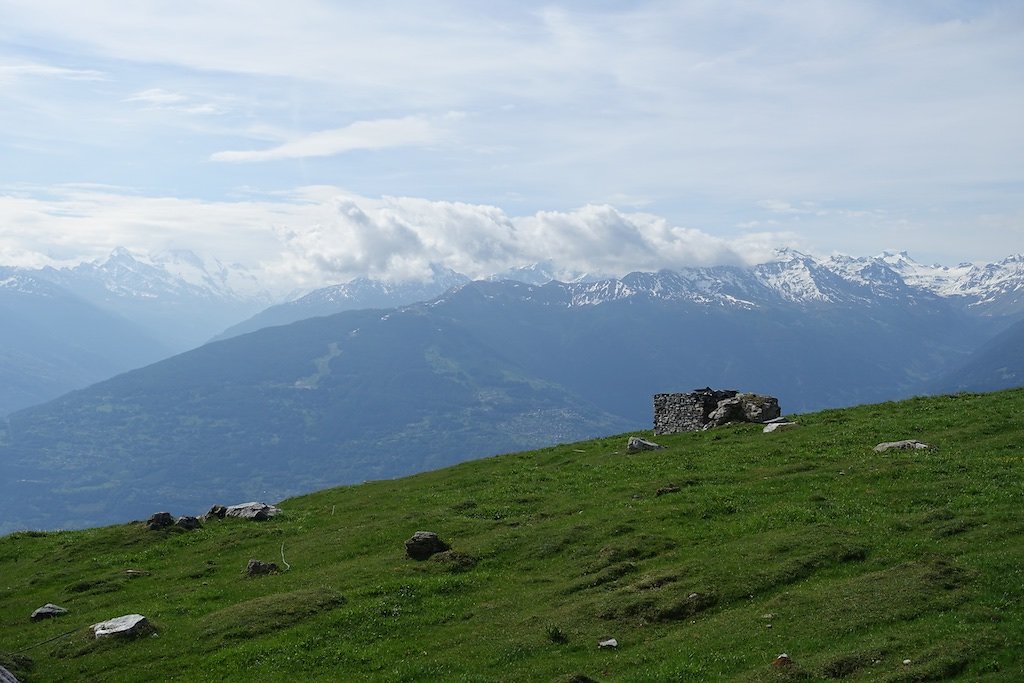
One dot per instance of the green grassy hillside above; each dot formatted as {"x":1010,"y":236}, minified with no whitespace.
{"x":805,"y":542}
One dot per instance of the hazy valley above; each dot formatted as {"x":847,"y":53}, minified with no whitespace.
{"x":352,"y":393}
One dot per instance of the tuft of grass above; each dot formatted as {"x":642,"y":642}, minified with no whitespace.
{"x":556,"y":635}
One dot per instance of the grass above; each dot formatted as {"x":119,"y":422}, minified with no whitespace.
{"x":804,"y":542}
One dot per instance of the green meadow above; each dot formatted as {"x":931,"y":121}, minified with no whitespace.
{"x":704,"y":561}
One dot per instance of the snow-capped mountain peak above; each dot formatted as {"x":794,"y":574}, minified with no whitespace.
{"x":796,"y":278}
{"x":228,"y":281}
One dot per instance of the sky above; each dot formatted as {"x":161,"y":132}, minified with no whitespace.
{"x":317,"y":141}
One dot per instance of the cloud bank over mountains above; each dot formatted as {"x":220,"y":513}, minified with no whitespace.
{"x":320,"y":235}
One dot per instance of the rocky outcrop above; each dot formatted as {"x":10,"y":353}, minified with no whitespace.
{"x":6,"y":676}
{"x":707,"y":408}
{"x":423,"y":544}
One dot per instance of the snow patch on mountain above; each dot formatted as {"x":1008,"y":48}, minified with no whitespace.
{"x":796,"y":278}
{"x":227,"y":281}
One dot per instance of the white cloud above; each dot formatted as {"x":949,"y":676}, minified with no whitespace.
{"x":12,"y":71}
{"x":777,"y":206}
{"x":319,"y":235}
{"x":400,"y":237}
{"x":158,"y":98}
{"x":410,"y":131}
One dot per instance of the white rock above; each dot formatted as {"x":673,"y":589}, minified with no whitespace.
{"x":611,"y":642}
{"x":636,"y":444}
{"x":905,"y":445}
{"x":128,"y":625}
{"x":6,"y":676}
{"x":778,"y":426}
{"x":252,"y":510}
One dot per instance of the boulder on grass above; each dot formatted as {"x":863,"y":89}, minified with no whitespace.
{"x":160,"y":520}
{"x":254,"y":510}
{"x":636,"y":444}
{"x":188,"y":523}
{"x":258,"y":568}
{"x":216,"y":512}
{"x":127,"y":626}
{"x":423,"y":544}
{"x":905,"y":445}
{"x":47,"y":611}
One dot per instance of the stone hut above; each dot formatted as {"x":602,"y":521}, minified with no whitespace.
{"x":707,"y":407}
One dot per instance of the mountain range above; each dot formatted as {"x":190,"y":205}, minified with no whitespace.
{"x":489,"y":367}
{"x":66,"y":328}
{"x":362,"y":292}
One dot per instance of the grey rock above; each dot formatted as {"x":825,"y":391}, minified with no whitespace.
{"x":189,"y":523}
{"x":216,"y":512}
{"x":423,"y":544}
{"x":636,"y":444}
{"x":6,"y":676}
{"x":48,"y":611}
{"x":744,"y":407}
{"x":728,"y":410}
{"x":905,"y":445}
{"x":759,"y":408}
{"x":160,"y":520}
{"x":610,"y":643}
{"x":254,"y":510}
{"x":258,"y":568}
{"x":126,"y":626}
